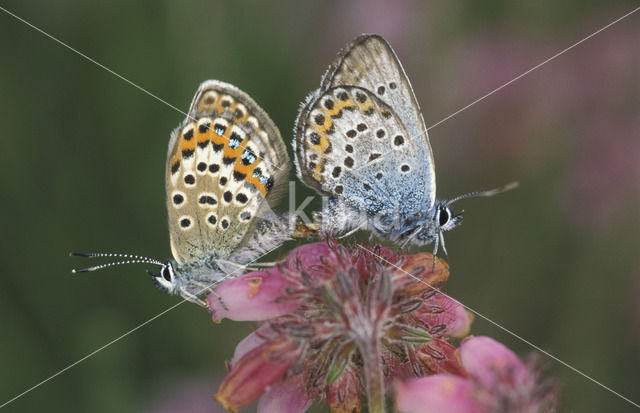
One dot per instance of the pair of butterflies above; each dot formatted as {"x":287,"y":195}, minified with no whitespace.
{"x":360,"y":140}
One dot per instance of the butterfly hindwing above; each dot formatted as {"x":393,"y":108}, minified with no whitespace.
{"x":370,"y":62}
{"x":224,"y":163}
{"x":352,"y":145}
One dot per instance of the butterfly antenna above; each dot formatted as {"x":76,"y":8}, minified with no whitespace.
{"x":487,"y":193}
{"x":128,"y":259}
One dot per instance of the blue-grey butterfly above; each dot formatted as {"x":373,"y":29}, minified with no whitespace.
{"x":225,"y":165}
{"x":360,"y":139}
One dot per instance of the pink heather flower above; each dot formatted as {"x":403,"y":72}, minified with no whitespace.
{"x":346,"y":321}
{"x":497,"y":382}
{"x":259,"y":295}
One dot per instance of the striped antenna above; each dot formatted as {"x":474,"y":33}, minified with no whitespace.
{"x":490,"y":192}
{"x":129,"y":259}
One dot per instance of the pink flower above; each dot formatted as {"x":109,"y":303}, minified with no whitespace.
{"x":498,"y":382}
{"x":445,"y":313}
{"x":260,"y":295}
{"x":261,"y":367}
{"x":439,"y":393}
{"x":355,"y":320}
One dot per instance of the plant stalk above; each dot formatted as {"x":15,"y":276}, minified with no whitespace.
{"x":373,"y":374}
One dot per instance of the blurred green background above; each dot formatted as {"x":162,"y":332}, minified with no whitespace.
{"x":82,"y":168}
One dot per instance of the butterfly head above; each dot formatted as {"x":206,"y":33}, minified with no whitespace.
{"x":430,"y":227}
{"x":167,"y":278}
{"x":444,"y":218}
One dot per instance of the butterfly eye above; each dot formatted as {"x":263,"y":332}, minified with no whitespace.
{"x":166,"y":273}
{"x":444,"y":216}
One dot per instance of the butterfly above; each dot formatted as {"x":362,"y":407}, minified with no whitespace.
{"x":361,"y":140}
{"x":225,"y":165}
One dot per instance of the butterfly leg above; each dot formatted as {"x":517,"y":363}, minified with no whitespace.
{"x":412,"y":236}
{"x":231,"y":268}
{"x":192,"y":298}
{"x":203,"y":288}
{"x":435,"y":251}
{"x":350,"y":232}
{"x":257,"y":265}
{"x":220,"y":300}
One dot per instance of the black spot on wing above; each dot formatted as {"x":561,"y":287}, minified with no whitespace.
{"x":242,"y":198}
{"x":204,"y":128}
{"x":175,"y":167}
{"x":269,"y":183}
{"x":189,"y":179}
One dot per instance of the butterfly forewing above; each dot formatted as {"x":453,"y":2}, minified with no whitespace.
{"x":223,"y":164}
{"x":370,"y":62}
{"x":352,"y":145}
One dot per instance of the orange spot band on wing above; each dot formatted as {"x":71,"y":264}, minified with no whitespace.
{"x":208,"y":134}
{"x":364,"y":107}
{"x":187,"y":144}
{"x":324,"y":141}
{"x":339,"y":105}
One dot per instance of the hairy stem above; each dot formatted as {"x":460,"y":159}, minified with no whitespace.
{"x":373,"y":375}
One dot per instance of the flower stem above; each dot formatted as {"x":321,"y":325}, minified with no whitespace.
{"x":373,"y":375}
